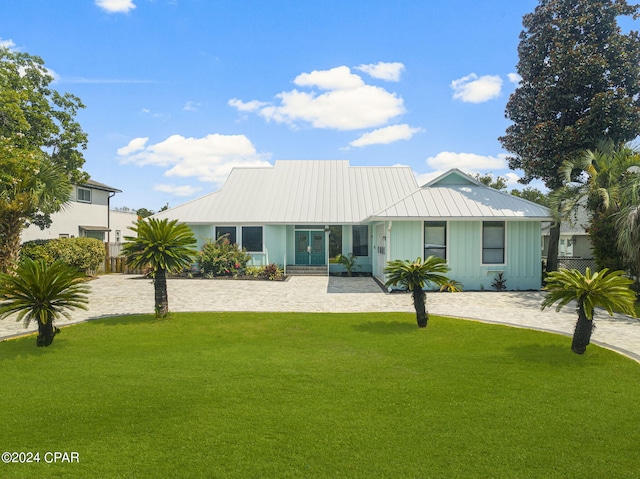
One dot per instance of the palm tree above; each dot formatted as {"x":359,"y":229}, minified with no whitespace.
{"x":608,"y":290}
{"x":164,"y":246}
{"x":604,"y":173}
{"x":30,"y":187}
{"x":627,"y":223}
{"x":43,"y":293}
{"x":414,"y":275}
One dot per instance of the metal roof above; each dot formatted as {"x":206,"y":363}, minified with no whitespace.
{"x":455,"y":195}
{"x":299,"y":192}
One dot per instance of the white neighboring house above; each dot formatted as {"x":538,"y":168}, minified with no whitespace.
{"x":86,"y":214}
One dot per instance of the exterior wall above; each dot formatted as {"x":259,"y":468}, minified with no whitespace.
{"x":522,"y":268}
{"x":273,"y":242}
{"x":581,"y":246}
{"x":120,"y":223}
{"x":275,"y":246}
{"x":67,"y":222}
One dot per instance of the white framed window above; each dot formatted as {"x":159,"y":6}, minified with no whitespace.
{"x":229,"y":232}
{"x":493,"y":242}
{"x":84,"y":195}
{"x":360,"y":238}
{"x":435,"y":239}
{"x":252,"y":239}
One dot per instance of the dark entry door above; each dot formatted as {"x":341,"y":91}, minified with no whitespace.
{"x":310,"y":248}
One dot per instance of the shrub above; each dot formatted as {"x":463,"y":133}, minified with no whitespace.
{"x":85,"y":254}
{"x":222,"y":258}
{"x":271,"y":272}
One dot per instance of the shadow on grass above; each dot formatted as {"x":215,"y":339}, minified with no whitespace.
{"x":386,"y":327}
{"x":550,"y":354}
{"x":124,"y":319}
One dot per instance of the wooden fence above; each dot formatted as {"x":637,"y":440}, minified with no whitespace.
{"x":114,"y":261}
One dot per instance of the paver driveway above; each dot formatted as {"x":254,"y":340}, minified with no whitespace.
{"x":126,"y":294}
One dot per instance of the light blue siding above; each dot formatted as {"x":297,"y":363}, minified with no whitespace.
{"x":406,"y":240}
{"x":464,"y":253}
{"x":203,"y":233}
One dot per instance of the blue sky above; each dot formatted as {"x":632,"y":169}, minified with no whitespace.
{"x":178,"y":92}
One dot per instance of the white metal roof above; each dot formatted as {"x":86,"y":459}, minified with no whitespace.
{"x":299,"y":192}
{"x":455,"y":195}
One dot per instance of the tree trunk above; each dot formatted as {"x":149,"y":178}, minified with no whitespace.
{"x":46,"y":333}
{"x":420,"y":303}
{"x":10,"y":230}
{"x":552,"y":253}
{"x":161,"y":297}
{"x":582,"y":333}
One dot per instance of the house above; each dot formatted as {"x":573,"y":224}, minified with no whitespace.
{"x":86,"y":214}
{"x":305,"y":213}
{"x":574,"y":245}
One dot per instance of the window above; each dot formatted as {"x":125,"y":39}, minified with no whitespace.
{"x":493,"y":242}
{"x":335,"y":242}
{"x":361,"y":240}
{"x":84,"y":195}
{"x":252,"y":238}
{"x":435,"y":239}
{"x":227,"y":230}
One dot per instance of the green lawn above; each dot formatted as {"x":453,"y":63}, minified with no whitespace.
{"x":256,"y":395}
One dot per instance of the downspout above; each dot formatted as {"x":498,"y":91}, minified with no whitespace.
{"x":387,"y":252}
{"x":109,"y":216}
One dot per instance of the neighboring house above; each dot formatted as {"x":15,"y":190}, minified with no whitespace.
{"x":574,"y":246}
{"x":86,"y":214}
{"x":305,"y":213}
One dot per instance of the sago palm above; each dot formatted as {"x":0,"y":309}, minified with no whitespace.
{"x":414,"y":275}
{"x":608,"y":290}
{"x":165,"y":247}
{"x":35,"y":291}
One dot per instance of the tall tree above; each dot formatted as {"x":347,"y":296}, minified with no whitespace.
{"x":164,"y":246}
{"x":38,"y":134}
{"x":580,"y":84}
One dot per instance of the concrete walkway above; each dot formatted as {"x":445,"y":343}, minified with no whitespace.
{"x":126,"y":294}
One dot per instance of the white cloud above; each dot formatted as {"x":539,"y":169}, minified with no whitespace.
{"x":210,"y":158}
{"x":348,"y":103}
{"x":116,"y":6}
{"x":389,"y":71}
{"x":386,"y":135}
{"x":191,"y":106}
{"x":467,"y":162}
{"x":174,"y":190}
{"x":474,"y":89}
{"x":514,"y":78}
{"x":250,"y":106}
{"x":134,"y":145}
{"x":339,"y":78}
{"x":7,"y":44}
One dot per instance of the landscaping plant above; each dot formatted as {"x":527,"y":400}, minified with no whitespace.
{"x":41,"y":292}
{"x":608,"y":290}
{"x":164,"y":246}
{"x":414,"y":275}
{"x":349,"y":262}
{"x":222,"y":258}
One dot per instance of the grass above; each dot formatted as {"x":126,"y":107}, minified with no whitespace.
{"x":256,"y":395}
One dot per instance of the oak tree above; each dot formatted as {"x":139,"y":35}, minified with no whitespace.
{"x":580,"y":84}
